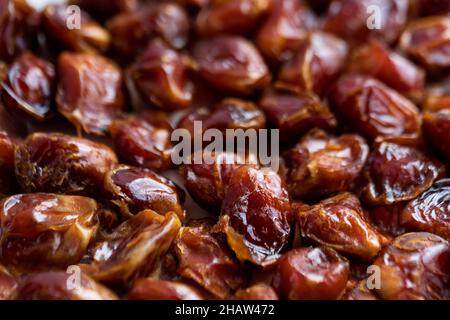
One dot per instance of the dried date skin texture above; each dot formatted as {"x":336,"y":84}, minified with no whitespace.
{"x":415,"y":267}
{"x":41,"y":230}
{"x":154,"y":289}
{"x":53,"y":162}
{"x":321,"y":165}
{"x":53,"y":285}
{"x":311,"y":274}
{"x":340,"y":223}
{"x":206,"y":259}
{"x":90,"y":91}
{"x":256,"y":215}
{"x":133,"y":248}
{"x":134,"y":189}
{"x":29,"y":87}
{"x":435,"y":126}
{"x":430,"y":211}
{"x":398,"y":171}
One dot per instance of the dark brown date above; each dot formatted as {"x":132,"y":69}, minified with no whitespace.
{"x":106,"y":8}
{"x":231,"y":64}
{"x":316,"y":64}
{"x":372,"y":109}
{"x":285,"y":29}
{"x":387,"y":218}
{"x":52,"y":162}
{"x":436,"y":125}
{"x":256,"y":216}
{"x":56,"y":285}
{"x":8,"y":183}
{"x":207,"y":260}
{"x":321,"y":165}
{"x":430,"y":212}
{"x":90,"y":91}
{"x":415,"y":266}
{"x":136,"y":189}
{"x":41,"y":230}
{"x":311,"y":273}
{"x":160,"y":77}
{"x":397,"y":171}
{"x":29,"y":87}
{"x":340,"y":223}
{"x":360,"y":292}
{"x":259,"y":291}
{"x":139,"y":143}
{"x":154,"y":289}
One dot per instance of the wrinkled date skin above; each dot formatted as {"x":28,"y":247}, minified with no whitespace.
{"x":398,"y":171}
{"x":133,"y":248}
{"x":133,"y":30}
{"x":231,"y":64}
{"x":8,"y":284}
{"x":29,"y":87}
{"x":284,"y":30}
{"x":296,"y":113}
{"x":206,"y":182}
{"x":311,"y":273}
{"x":8,"y":183}
{"x":53,"y":162}
{"x":316,"y":64}
{"x":135,"y":189}
{"x":235,"y":16}
{"x":207,"y":260}
{"x":256,"y":215}
{"x":372,"y":109}
{"x":321,"y":165}
{"x":340,"y":223}
{"x":139,"y":143}
{"x":428,"y":41}
{"x":160,"y":76}
{"x":259,"y":291}
{"x":90,"y":37}
{"x":435,"y":126}
{"x":41,"y":230}
{"x":349,"y":19}
{"x":90,"y":91}
{"x":430,"y":212}
{"x":53,"y":285}
{"x":377,"y":60}
{"x":387,"y":218}
{"x":154,"y":289}
{"x":360,"y":292}
{"x":415,"y":266}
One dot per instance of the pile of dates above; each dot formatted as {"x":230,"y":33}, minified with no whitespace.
{"x":93,"y":207}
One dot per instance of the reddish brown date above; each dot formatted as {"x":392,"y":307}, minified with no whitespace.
{"x":61,"y":163}
{"x":256,"y":216}
{"x":206,"y":182}
{"x":8,"y":183}
{"x":428,"y":41}
{"x":90,"y":91}
{"x":357,"y":20}
{"x":29,"y":87}
{"x":160,"y":76}
{"x":296,"y":113}
{"x":387,"y":218}
{"x":415,"y":266}
{"x":154,"y":289}
{"x":430,"y":212}
{"x":55,"y":285}
{"x":372,"y":109}
{"x":133,"y":248}
{"x":435,"y":126}
{"x":136,"y":189}
{"x":321,"y":165}
{"x":41,"y":230}
{"x":207,"y":260}
{"x":235,"y":16}
{"x":316,"y":64}
{"x":231,"y":64}
{"x":398,"y":171}
{"x":311,"y":273}
{"x":259,"y":291}
{"x":285,"y":29}
{"x":377,"y":60}
{"x":89,"y":37}
{"x":133,"y":31}
{"x":8,"y":284}
{"x":107,"y":8}
{"x":340,"y":223}
{"x":360,"y":292}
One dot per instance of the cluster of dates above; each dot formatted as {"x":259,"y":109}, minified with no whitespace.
{"x":86,"y":177}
